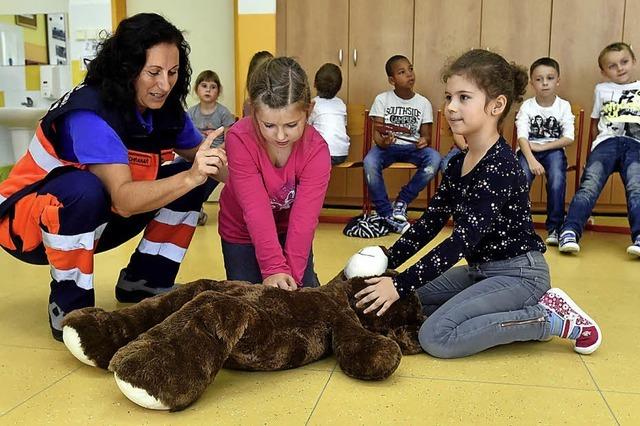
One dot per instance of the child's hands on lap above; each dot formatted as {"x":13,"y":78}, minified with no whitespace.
{"x":382,"y":293}
{"x":536,"y":147}
{"x":386,"y":140}
{"x":536,"y":168}
{"x":422,"y":143}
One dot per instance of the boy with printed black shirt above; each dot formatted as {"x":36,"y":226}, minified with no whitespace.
{"x":545,"y":126}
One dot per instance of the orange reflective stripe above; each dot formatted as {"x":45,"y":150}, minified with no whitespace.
{"x":179,"y":235}
{"x":66,"y":260}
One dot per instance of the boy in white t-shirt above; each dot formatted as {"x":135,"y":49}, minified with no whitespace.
{"x":545,"y":126}
{"x":616,"y":120}
{"x":329,"y":114}
{"x":402,"y":133}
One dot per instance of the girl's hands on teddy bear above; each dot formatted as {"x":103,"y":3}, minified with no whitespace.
{"x":281,"y":280}
{"x":372,"y":261}
{"x":382,"y":294}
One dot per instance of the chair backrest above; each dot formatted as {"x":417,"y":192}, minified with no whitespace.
{"x":356,"y":119}
{"x":368,"y":133}
{"x":591,"y":136}
{"x":438,"y":128}
{"x":579,"y":134}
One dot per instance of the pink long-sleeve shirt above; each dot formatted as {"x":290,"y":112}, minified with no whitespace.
{"x":261,"y":201}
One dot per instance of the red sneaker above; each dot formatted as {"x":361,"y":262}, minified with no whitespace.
{"x":590,"y":336}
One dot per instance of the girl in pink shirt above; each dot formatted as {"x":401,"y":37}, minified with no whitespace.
{"x":278,"y":176}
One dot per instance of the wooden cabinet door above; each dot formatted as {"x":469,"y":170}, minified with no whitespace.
{"x":378,"y":29}
{"x":519,"y":31}
{"x":580,"y":29}
{"x":316,"y":33}
{"x":443,"y":30}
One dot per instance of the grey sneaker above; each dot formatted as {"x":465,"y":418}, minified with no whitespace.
{"x":133,"y":291}
{"x":400,"y":211}
{"x":397,"y":226}
{"x":568,"y":242}
{"x":552,"y":238}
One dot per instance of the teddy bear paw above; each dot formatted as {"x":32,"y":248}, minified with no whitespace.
{"x":139,"y":395}
{"x":367,"y":262}
{"x":73,"y":342}
{"x":94,"y":335}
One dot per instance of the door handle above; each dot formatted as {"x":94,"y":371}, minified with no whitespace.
{"x":340,"y":56}
{"x":355,"y":57}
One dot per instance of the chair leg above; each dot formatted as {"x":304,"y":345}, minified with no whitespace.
{"x":366,"y":201}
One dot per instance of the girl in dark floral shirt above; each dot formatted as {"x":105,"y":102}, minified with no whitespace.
{"x":503,"y":294}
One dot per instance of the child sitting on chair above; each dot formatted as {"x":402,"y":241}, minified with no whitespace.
{"x":615,"y":149}
{"x":402,"y":132}
{"x":329,"y":114}
{"x":545,"y":126}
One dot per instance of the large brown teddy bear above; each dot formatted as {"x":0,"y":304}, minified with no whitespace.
{"x":166,"y":350}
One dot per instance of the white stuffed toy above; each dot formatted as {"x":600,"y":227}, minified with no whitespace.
{"x":370,"y":261}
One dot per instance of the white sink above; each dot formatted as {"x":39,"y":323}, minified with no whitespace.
{"x":21,"y":123}
{"x":24,"y":118}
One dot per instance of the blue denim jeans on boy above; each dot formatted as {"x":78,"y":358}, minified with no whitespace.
{"x":476,"y":307}
{"x":618,"y":154}
{"x":554,"y":162}
{"x":427,"y":161}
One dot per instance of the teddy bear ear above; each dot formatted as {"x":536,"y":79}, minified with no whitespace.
{"x":368,"y":262}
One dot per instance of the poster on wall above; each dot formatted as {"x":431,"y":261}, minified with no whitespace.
{"x":57,"y":39}
{"x":28,"y":21}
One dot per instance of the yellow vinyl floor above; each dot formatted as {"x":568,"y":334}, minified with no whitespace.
{"x":524,"y":383}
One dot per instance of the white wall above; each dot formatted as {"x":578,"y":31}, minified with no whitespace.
{"x":13,"y":7}
{"x":248,"y":7}
{"x":209,"y":29}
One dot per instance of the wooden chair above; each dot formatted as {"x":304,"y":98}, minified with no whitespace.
{"x":353,"y":114}
{"x":579,"y":130}
{"x":437,"y":142}
{"x":368,"y":140}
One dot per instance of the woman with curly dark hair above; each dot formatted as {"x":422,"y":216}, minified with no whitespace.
{"x":92,"y":177}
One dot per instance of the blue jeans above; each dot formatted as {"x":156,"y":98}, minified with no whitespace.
{"x":555,"y":169}
{"x":241,"y":264}
{"x":427,"y":160}
{"x":619,"y":154}
{"x":476,"y":307}
{"x":445,"y":160}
